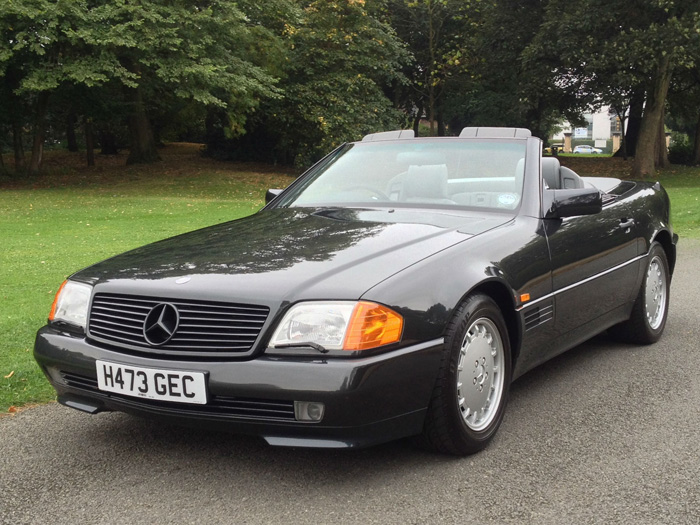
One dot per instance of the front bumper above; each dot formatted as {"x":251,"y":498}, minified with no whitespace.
{"x":367,"y":401}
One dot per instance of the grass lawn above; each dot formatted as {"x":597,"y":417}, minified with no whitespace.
{"x":74,"y":216}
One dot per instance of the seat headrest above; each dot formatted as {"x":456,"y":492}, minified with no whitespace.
{"x":569,"y":179}
{"x":550,"y":172}
{"x":427,"y":181}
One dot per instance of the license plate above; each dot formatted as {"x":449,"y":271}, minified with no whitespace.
{"x":176,"y":386}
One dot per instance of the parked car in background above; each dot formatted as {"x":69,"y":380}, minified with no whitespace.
{"x":395,"y":289}
{"x":585,"y":148}
{"x":554,"y":149}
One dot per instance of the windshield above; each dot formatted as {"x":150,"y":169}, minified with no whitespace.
{"x":417,"y":172}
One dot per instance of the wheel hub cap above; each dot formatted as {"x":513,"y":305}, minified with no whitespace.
{"x":655,"y":298}
{"x":480,"y":376}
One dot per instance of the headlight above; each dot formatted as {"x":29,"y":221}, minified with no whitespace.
{"x":71,"y":303}
{"x":339,"y":326}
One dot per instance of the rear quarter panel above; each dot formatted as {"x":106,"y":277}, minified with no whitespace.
{"x":652,"y":208}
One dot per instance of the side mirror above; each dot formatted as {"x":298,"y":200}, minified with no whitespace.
{"x":573,"y":202}
{"x":271,"y":194}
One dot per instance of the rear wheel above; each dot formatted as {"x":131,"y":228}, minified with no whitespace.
{"x":648,"y":319}
{"x":471,"y":390}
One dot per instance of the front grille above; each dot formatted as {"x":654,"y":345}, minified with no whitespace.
{"x":206,"y":328}
{"x":239,"y":407}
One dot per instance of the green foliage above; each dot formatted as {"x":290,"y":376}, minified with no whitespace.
{"x":287,"y":80}
{"x":606,"y":52}
{"x":339,"y":61}
{"x":684,"y":112}
{"x":506,"y":87}
{"x":204,"y":53}
{"x":440,"y":35}
{"x":681,"y":149}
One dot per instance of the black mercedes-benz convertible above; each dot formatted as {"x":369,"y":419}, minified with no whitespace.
{"x":395,"y":289}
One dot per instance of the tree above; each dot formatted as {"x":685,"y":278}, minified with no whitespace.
{"x":438,"y":35}
{"x":195,"y":51}
{"x":11,"y":111}
{"x":619,"y":48}
{"x":154,"y":49}
{"x":340,"y":58}
{"x":338,"y":63}
{"x":684,"y":107}
{"x":521,"y":70}
{"x":26,"y":45}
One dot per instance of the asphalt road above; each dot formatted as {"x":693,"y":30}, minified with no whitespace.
{"x":606,"y":433}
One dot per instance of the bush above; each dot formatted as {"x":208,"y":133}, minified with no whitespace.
{"x":681,"y":150}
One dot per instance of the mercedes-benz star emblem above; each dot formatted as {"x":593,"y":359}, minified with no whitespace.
{"x":160,"y":324}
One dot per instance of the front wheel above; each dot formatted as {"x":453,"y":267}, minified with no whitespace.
{"x":648,"y":319}
{"x":471,"y":390}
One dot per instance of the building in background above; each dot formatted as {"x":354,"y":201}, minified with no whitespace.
{"x":600,"y":131}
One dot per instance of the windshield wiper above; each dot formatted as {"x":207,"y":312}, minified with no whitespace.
{"x":305,"y":344}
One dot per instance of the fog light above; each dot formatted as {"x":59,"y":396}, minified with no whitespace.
{"x":308,"y":411}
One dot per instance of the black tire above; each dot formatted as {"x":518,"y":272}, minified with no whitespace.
{"x":648,"y":319}
{"x":451,"y":426}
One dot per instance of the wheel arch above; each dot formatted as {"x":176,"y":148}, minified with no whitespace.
{"x":503,"y":297}
{"x":663,"y":237}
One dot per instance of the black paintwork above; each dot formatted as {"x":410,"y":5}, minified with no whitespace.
{"x":582,"y":273}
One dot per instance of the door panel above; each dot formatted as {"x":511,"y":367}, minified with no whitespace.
{"x":594,"y":267}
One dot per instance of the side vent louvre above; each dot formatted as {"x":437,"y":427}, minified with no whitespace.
{"x":538,"y":315}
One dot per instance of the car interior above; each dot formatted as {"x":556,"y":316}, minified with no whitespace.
{"x":558,"y":177}
{"x":481,"y":174}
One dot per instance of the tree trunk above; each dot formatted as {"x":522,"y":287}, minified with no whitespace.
{"x":89,"y":142}
{"x":213,"y":134}
{"x":2,"y":162}
{"x":696,"y":143}
{"x":156,"y":127}
{"x":108,"y":142}
{"x":634,"y":122}
{"x":644,"y":161}
{"x":432,"y":44}
{"x":431,"y":109}
{"x":416,"y":121}
{"x":440,"y":125}
{"x":143,"y":146}
{"x":18,"y":146}
{"x":42,"y":105}
{"x":71,"y":121}
{"x":660,"y":150}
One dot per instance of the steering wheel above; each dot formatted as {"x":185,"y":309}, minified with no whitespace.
{"x":383,"y":196}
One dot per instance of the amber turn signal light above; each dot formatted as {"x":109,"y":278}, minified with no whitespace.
{"x":52,"y":313}
{"x":372,"y":325}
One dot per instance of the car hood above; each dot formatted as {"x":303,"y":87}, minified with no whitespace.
{"x":285,"y":255}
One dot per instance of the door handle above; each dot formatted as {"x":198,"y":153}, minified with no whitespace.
{"x":626,"y":223}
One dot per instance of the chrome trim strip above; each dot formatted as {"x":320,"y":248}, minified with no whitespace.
{"x":586,"y":280}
